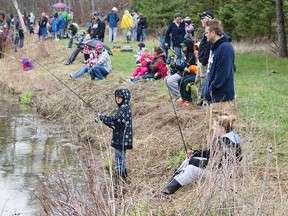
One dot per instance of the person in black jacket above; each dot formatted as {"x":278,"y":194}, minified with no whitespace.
{"x":203,"y":56}
{"x":121,"y":123}
{"x":176,"y":30}
{"x":225,"y":152}
{"x":98,"y":27}
{"x":141,"y":28}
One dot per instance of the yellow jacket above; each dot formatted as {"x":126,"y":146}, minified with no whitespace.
{"x":127,"y":21}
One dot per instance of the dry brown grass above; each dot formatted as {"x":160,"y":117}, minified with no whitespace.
{"x":256,"y":188}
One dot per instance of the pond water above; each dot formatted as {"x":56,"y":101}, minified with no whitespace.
{"x":29,"y":147}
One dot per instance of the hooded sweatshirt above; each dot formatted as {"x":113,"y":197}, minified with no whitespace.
{"x":219,"y":84}
{"x":228,"y":141}
{"x":121,"y":122}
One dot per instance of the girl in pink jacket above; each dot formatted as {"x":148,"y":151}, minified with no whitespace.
{"x":143,"y":67}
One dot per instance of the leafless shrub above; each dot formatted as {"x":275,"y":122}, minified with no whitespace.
{"x":257,"y":187}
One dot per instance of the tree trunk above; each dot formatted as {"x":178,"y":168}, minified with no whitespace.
{"x":93,"y":5}
{"x":20,"y":16}
{"x":281,"y":29}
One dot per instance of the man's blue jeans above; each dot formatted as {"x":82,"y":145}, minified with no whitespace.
{"x":98,"y":71}
{"x":113,"y":34}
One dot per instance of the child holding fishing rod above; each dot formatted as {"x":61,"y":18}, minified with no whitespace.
{"x":122,"y":138}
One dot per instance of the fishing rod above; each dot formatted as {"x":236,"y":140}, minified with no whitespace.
{"x":163,"y":43}
{"x":41,"y":65}
{"x":175,"y":112}
{"x":178,"y":123}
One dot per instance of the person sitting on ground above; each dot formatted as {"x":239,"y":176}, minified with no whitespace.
{"x":141,"y":45}
{"x":172,"y":81}
{"x":143,"y":67}
{"x":225,"y":152}
{"x":81,"y":37}
{"x":103,"y":65}
{"x":185,"y":85}
{"x":157,"y":68}
{"x":88,"y":65}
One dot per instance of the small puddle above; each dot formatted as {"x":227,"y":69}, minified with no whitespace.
{"x":29,"y":147}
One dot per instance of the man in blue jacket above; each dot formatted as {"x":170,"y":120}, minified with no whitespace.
{"x":219,"y":85}
{"x":113,"y":19}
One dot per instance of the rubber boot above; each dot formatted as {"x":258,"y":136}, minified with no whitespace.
{"x":171,"y":187}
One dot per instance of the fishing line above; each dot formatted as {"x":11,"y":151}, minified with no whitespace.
{"x":178,"y":123}
{"x":41,"y":65}
{"x":175,"y":112}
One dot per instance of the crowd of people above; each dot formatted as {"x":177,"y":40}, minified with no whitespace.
{"x":207,"y":66}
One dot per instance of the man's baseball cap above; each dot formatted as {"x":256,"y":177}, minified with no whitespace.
{"x":183,"y":45}
{"x":96,"y":13}
{"x":207,"y":14}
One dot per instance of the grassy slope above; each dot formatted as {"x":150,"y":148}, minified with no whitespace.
{"x":262,"y":93}
{"x":260,"y":96}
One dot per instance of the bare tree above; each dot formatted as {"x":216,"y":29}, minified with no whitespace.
{"x":281,"y":29}
{"x":20,"y":15}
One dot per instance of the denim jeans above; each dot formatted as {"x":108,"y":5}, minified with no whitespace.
{"x":98,"y":71}
{"x":120,"y":161}
{"x":179,"y":55}
{"x":71,"y":41}
{"x":80,"y":72}
{"x":21,"y":44}
{"x":143,"y":35}
{"x":134,"y":34}
{"x":112,"y":34}
{"x":61,"y":31}
{"x":186,"y":95}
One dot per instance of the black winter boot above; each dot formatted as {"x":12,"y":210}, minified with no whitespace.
{"x":171,"y":187}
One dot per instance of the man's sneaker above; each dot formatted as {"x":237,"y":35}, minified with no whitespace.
{"x":180,"y":102}
{"x":70,"y":75}
{"x":186,"y":103}
{"x":68,"y":62}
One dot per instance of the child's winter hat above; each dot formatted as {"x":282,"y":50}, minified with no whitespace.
{"x":99,"y":46}
{"x":27,"y":64}
{"x":187,"y":19}
{"x":141,"y":45}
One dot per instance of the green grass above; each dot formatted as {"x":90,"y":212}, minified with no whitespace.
{"x":261,"y":86}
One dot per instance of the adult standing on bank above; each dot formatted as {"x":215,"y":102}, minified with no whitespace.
{"x":135,"y":24}
{"x":176,"y":30}
{"x":219,"y":85}
{"x":113,"y":18}
{"x":98,"y":27}
{"x":203,"y":56}
{"x":126,"y":25}
{"x":141,"y":28}
{"x":42,"y":27}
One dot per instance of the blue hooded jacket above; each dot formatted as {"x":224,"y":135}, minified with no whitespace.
{"x":112,"y":19}
{"x":121,"y":122}
{"x":219,"y":84}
